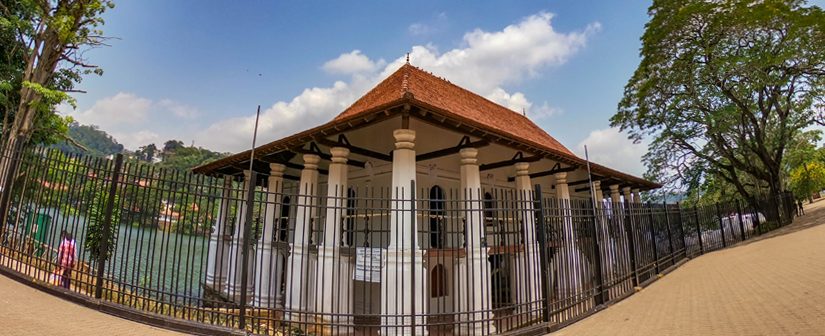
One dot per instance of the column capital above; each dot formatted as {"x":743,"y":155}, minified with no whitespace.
{"x":626,"y":190}
{"x":561,"y":178}
{"x":614,"y":188}
{"x":522,"y":168}
{"x":469,"y":156}
{"x":635,"y":190}
{"x":339,"y":154}
{"x":247,"y":174}
{"x":597,"y":184}
{"x":276,"y":169}
{"x":311,"y":161}
{"x":404,"y":138}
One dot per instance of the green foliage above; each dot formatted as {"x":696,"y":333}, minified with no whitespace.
{"x":723,"y":88}
{"x":94,"y":141}
{"x":186,"y":158}
{"x":42,"y":44}
{"x":807,"y":179}
{"x":96,"y":216}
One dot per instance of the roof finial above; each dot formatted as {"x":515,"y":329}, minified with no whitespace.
{"x":524,"y":111}
{"x":408,"y":58}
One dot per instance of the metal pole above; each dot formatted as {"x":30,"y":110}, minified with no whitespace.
{"x":600,"y":292}
{"x":630,"y":241}
{"x":653,"y":238}
{"x":250,"y":194}
{"x":103,"y":244}
{"x":741,"y":223}
{"x":543,"y":253}
{"x":721,"y":224}
{"x":698,"y":230}
{"x":669,"y":232}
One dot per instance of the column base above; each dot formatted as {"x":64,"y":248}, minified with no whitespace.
{"x":399,"y":292}
{"x":334,"y":290}
{"x":473,"y":307}
{"x":299,"y":303}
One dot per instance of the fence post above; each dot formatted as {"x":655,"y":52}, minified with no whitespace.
{"x":669,"y":232}
{"x":628,"y":229}
{"x":103,"y":244}
{"x":698,"y":230}
{"x":682,"y":228}
{"x":721,"y":224}
{"x":247,"y":229}
{"x":741,"y":223}
{"x":653,"y":237}
{"x":601,"y":293}
{"x":14,"y":158}
{"x":544,"y":254}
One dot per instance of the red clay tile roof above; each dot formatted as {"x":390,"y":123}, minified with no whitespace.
{"x":412,"y":85}
{"x":452,"y":99}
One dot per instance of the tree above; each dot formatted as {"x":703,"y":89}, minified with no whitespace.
{"x":52,"y":36}
{"x":723,"y":87}
{"x":89,"y":139}
{"x":807,"y":179}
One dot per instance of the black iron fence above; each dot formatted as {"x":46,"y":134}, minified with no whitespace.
{"x":284,"y":258}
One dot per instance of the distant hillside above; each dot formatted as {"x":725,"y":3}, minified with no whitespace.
{"x":95,"y":141}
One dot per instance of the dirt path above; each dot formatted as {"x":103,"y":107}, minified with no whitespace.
{"x":762,"y":287}
{"x":27,"y":311}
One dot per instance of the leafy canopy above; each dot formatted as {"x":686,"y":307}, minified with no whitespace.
{"x":722,"y":88}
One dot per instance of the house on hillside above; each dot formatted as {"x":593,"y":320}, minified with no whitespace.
{"x":413,"y":212}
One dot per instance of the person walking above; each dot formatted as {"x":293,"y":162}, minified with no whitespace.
{"x":65,"y":259}
{"x":799,"y":209}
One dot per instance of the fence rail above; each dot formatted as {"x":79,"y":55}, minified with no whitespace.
{"x":283,"y":258}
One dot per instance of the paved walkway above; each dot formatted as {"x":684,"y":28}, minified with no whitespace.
{"x":27,"y":311}
{"x":763,"y":287}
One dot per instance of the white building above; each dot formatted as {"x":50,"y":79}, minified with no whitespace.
{"x":413,"y":211}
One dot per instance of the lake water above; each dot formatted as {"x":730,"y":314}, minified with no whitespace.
{"x":145,"y":257}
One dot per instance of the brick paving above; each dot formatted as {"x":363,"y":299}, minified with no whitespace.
{"x":763,"y":287}
{"x":27,"y":311}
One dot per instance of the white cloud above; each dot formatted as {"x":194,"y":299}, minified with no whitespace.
{"x":352,"y":63}
{"x":611,"y":148}
{"x":438,"y":23}
{"x":485,"y":63}
{"x":122,"y":108}
{"x":180,"y":110}
{"x":136,"y":121}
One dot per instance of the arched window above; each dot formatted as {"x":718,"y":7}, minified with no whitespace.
{"x":438,"y":281}
{"x":349,"y":223}
{"x":436,"y":217}
{"x":283,"y":220}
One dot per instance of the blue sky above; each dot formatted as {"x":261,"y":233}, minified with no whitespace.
{"x":196,"y":70}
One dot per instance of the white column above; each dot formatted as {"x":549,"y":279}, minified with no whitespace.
{"x":608,"y":245}
{"x":472,"y":276}
{"x":300,"y":281}
{"x":334,"y":270}
{"x":572,"y":272}
{"x":235,"y":286}
{"x":266,"y":287}
{"x":524,"y":279}
{"x":598,"y":193}
{"x":637,"y":196}
{"x":622,"y":246}
{"x":219,"y":242}
{"x":615,"y":197}
{"x":627,"y":195}
{"x":403,"y":259}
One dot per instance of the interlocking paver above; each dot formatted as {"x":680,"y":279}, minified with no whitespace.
{"x":27,"y":311}
{"x":763,"y":287}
